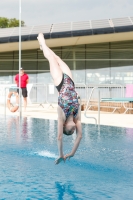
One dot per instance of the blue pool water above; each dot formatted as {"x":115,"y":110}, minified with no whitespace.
{"x":101,"y":169}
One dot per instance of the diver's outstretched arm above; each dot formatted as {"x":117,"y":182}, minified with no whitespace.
{"x":77,"y":141}
{"x":60,"y":136}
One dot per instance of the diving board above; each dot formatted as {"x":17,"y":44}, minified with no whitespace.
{"x":121,"y":99}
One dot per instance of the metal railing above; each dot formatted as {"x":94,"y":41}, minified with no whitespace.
{"x":85,"y":113}
{"x":106,"y":91}
{"x":47,"y":93}
{"x":40,"y":93}
{"x":81,"y":90}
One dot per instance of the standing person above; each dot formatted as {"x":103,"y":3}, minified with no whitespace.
{"x":69,"y":111}
{"x":23,"y":85}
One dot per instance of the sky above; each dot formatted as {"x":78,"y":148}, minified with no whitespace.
{"x":41,"y":12}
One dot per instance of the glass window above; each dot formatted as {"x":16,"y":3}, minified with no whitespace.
{"x":103,"y":63}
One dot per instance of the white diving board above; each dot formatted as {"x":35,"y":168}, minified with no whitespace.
{"x":121,"y":99}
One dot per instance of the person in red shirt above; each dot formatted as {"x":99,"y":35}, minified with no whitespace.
{"x":23,"y":84}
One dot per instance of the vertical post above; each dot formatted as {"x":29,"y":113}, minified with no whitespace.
{"x":20,"y":106}
{"x":74,"y":64}
{"x":5,"y":101}
{"x":74,"y":60}
{"x":45,"y":92}
{"x":98,"y":107}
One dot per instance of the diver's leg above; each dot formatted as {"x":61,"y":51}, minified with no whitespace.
{"x":57,"y":65}
{"x":55,"y":69}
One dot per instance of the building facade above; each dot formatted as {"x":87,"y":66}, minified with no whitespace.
{"x":98,"y":54}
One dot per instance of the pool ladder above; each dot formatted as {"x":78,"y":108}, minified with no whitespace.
{"x":85,"y":114}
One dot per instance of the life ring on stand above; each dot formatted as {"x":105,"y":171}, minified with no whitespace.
{"x":11,"y":107}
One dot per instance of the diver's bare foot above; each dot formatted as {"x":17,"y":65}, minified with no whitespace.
{"x":41,"y":40}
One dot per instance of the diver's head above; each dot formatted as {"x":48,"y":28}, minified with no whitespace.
{"x":69,"y":127}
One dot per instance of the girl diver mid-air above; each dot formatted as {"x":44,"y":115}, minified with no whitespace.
{"x":69,"y":111}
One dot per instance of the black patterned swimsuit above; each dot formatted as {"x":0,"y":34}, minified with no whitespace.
{"x":68,"y":98}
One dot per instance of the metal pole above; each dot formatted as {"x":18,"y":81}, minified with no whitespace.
{"x":98,"y":107}
{"x":87,"y":107}
{"x":20,"y":106}
{"x":5,"y":101}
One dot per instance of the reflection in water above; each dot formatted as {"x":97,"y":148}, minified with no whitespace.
{"x":91,"y":132}
{"x":52,"y":130}
{"x":13,"y":127}
{"x":17,"y":127}
{"x":24,"y":126}
{"x":129,"y":132}
{"x":65,"y":189}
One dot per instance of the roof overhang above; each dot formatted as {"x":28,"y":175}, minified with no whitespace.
{"x":68,"y":34}
{"x":72,"y":41}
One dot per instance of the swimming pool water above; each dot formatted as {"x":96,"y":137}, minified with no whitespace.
{"x":101,"y":169}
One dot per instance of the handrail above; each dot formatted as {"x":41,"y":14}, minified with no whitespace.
{"x":81,"y":85}
{"x":87,"y":108}
{"x":96,"y":87}
{"x":106,"y":86}
{"x":46,"y":93}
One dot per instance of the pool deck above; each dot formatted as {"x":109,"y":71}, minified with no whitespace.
{"x":50,"y":112}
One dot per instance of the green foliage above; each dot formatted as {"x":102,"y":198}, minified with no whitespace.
{"x":3,"y":22}
{"x":6,"y":23}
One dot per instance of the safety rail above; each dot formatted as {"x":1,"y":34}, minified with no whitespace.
{"x":93,"y":88}
{"x":40,"y":93}
{"x":106,"y":91}
{"x":81,"y":90}
{"x":47,"y":93}
{"x":37,"y":94}
{"x":85,"y":112}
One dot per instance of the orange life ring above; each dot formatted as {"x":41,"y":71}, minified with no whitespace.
{"x":12,"y":108}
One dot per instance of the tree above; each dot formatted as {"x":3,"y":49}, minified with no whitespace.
{"x":3,"y":22}
{"x":6,"y":23}
{"x":14,"y":23}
